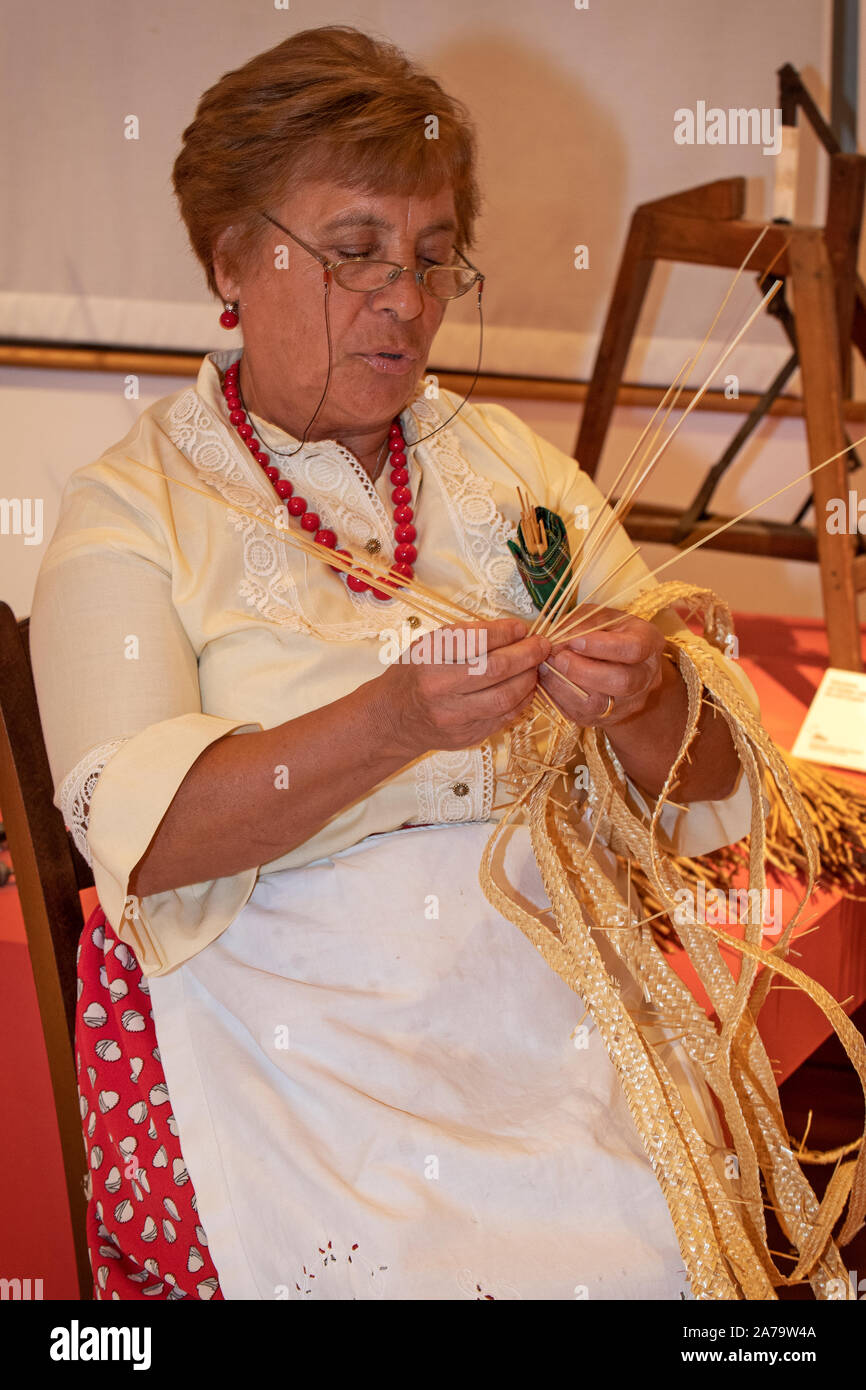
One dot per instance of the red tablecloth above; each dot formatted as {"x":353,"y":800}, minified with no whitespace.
{"x":785,"y":659}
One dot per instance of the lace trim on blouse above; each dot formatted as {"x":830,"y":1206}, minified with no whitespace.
{"x":77,"y":788}
{"x":268,"y":583}
{"x":480,"y":527}
{"x":454,"y":786}
{"x":329,"y":472}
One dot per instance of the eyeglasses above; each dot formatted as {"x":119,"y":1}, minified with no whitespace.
{"x":363,"y":276}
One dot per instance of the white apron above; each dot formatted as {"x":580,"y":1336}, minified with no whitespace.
{"x":383,"y":1091}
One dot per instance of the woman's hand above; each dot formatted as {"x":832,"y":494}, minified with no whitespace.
{"x":464,"y":688}
{"x":623,"y":663}
{"x":650,"y":706}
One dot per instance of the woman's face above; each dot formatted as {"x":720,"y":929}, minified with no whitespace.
{"x":283,"y":316}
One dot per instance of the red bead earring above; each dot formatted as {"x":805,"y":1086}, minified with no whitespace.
{"x":229,"y":318}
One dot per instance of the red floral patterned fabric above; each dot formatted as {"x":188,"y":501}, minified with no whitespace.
{"x":144,"y":1236}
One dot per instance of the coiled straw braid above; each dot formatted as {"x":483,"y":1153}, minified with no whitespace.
{"x":722,"y":1237}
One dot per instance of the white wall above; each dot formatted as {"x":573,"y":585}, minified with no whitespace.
{"x":575,"y":114}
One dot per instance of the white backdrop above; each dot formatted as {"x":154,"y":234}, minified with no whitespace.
{"x":575,"y":110}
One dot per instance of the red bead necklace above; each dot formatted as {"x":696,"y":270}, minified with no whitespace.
{"x":404,"y":531}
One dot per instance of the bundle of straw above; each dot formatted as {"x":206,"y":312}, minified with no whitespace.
{"x":722,"y":1233}
{"x":836,"y":809}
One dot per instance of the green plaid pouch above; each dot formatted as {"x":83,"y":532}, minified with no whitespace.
{"x":545,"y":574}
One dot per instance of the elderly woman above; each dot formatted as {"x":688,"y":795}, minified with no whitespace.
{"x":313,"y":1060}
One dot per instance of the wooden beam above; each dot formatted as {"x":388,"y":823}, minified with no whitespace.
{"x":657,"y":524}
{"x":847,"y":186}
{"x":818,"y":340}
{"x":629,"y":292}
{"x":698,"y":241}
{"x":72,"y":358}
{"x":723,"y":198}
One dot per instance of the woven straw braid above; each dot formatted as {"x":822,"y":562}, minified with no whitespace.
{"x":722,"y":1236}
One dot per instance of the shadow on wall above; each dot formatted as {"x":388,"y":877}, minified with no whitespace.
{"x":552,"y":168}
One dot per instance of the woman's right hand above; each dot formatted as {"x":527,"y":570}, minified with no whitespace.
{"x":467,"y":687}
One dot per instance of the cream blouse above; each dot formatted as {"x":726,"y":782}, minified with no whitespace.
{"x":166,"y":617}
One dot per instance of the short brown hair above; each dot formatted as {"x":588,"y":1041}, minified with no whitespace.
{"x":330,"y":102}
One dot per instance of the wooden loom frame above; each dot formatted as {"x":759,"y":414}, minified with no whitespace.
{"x":705,"y":226}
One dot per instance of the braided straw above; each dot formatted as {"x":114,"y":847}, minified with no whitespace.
{"x":722,"y":1234}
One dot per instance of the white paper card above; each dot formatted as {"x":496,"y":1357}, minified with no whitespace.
{"x":834,"y":730}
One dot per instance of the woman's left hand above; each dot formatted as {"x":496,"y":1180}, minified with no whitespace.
{"x":623,"y":662}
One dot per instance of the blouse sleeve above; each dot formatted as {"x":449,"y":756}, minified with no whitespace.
{"x":614,"y":576}
{"x":703,"y":826}
{"x":117,"y":685}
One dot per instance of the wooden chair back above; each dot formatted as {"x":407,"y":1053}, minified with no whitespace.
{"x":49,"y":872}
